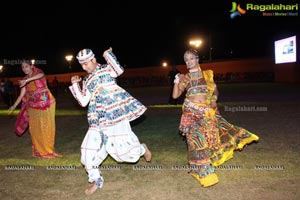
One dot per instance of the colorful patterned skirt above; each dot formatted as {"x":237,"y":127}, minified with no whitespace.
{"x":211,"y":140}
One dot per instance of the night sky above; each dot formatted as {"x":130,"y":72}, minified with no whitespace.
{"x":141,"y":33}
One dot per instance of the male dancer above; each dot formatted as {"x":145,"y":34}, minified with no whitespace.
{"x":110,"y":110}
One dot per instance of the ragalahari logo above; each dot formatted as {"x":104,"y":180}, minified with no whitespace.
{"x":236,"y":10}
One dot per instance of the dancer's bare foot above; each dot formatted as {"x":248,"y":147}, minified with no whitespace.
{"x":56,"y":155}
{"x":147,"y":153}
{"x":91,"y":189}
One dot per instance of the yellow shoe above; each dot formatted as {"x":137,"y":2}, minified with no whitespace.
{"x":208,"y":180}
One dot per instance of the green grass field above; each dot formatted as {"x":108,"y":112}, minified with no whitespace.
{"x":265,"y":170}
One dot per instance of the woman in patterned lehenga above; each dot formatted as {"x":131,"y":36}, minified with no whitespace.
{"x":211,"y":139}
{"x":37,"y":112}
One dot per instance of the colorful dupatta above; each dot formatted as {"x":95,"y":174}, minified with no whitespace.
{"x":22,"y":122}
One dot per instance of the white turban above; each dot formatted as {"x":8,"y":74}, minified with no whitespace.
{"x":85,"y":55}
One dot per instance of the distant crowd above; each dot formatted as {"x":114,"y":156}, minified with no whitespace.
{"x":8,"y":90}
{"x":229,"y":77}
